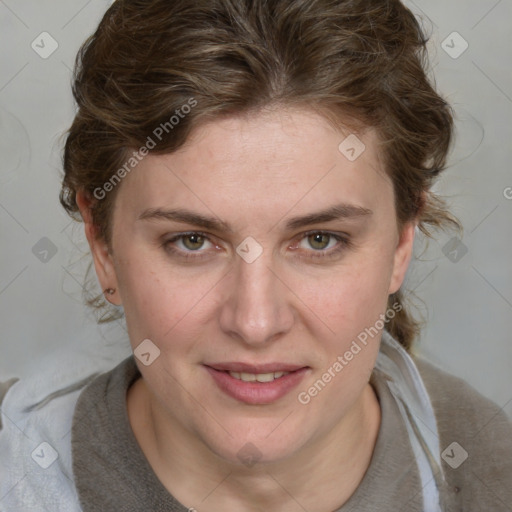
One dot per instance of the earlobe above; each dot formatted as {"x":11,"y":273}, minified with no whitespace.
{"x":403,"y":254}
{"x":103,"y":261}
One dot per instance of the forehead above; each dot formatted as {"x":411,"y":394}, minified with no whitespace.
{"x":270,"y":161}
{"x":275,"y":138}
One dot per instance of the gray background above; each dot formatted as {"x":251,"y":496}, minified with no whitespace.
{"x":465,"y":297}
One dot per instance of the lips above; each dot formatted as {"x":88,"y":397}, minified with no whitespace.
{"x":256,"y":384}
{"x":255,"y":368}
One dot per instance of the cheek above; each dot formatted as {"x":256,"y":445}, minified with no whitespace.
{"x":159,"y":301}
{"x":350,"y":298}
{"x":352,"y":312}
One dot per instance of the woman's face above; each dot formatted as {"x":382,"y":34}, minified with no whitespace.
{"x":259,"y":247}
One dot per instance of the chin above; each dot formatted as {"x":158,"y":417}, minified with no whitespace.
{"x":250,"y":446}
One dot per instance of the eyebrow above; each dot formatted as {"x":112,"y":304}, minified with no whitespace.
{"x":339,"y":211}
{"x":187,"y":217}
{"x":336,"y":212}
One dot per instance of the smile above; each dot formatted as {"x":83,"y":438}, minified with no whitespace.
{"x":257,"y":387}
{"x":257,"y":377}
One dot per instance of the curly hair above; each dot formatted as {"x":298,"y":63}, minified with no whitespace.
{"x":360,"y":63}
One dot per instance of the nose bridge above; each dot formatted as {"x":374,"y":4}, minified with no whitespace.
{"x":257,"y":309}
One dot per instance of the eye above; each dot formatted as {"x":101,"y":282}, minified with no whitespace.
{"x":321,"y":244}
{"x":320,"y":241}
{"x":192,"y":241}
{"x":189,"y":245}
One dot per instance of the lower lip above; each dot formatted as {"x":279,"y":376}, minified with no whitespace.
{"x":256,"y":393}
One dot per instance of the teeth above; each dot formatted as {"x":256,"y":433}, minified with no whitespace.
{"x":259,"y":377}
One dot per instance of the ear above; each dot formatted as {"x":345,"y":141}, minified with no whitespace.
{"x":403,"y":254}
{"x":103,"y":261}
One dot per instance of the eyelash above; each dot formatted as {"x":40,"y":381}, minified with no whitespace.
{"x":343,"y":243}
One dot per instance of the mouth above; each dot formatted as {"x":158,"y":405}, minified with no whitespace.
{"x":257,"y":377}
{"x":256,"y":384}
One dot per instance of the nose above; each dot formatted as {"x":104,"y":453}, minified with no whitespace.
{"x":257,"y":307}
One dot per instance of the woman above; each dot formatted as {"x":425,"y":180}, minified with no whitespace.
{"x":251,"y":176}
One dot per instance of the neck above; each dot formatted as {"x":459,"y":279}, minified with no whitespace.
{"x":198,"y":478}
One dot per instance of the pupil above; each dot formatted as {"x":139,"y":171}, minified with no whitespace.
{"x":319,"y":241}
{"x":193,"y":241}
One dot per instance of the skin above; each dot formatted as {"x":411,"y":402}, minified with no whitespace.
{"x":289,"y":305}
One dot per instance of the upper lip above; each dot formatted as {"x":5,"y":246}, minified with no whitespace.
{"x":255,"y":368}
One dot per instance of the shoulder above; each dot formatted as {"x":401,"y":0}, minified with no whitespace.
{"x":475,"y":440}
{"x":37,"y":414}
{"x":36,"y":457}
{"x":458,"y":405}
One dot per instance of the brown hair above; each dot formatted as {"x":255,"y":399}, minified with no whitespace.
{"x":358,"y":62}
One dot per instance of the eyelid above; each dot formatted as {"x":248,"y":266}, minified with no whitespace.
{"x":343,"y":240}
{"x":168,"y":244}
{"x":334,"y":234}
{"x":181,"y":236}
